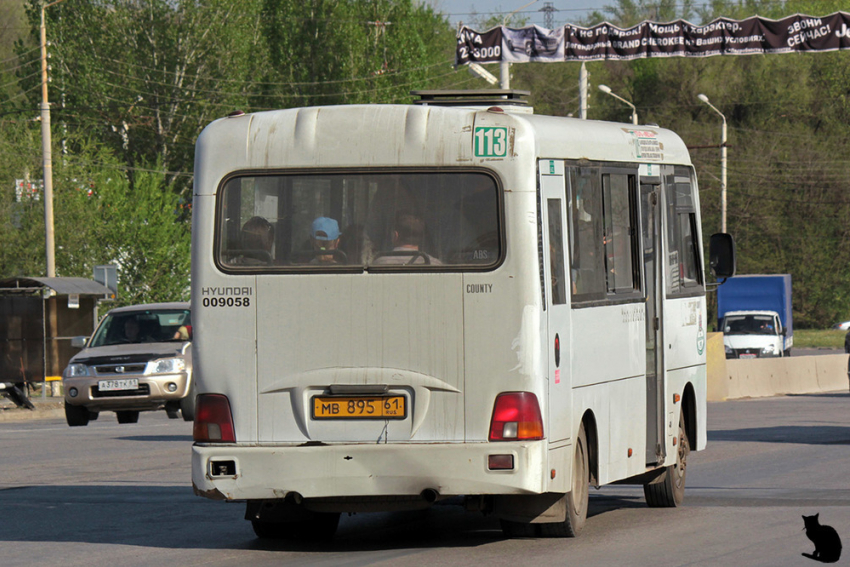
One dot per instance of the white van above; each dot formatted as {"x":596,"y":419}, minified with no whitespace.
{"x":401,"y":304}
{"x":753,"y":334}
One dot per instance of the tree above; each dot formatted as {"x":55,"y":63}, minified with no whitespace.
{"x":360,"y":51}
{"x":152,"y":76}
{"x":142,"y":232}
{"x":182,"y":64}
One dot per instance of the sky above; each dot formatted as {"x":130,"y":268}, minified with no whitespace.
{"x":471,"y":11}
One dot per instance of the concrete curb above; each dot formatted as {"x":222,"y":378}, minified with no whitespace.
{"x":764,"y":377}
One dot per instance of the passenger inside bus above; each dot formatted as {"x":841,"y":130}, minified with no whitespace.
{"x":256,"y":241}
{"x":460,"y":213}
{"x":325,"y":234}
{"x":407,"y":238}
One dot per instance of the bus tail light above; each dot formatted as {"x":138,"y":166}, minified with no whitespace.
{"x":213,"y":420}
{"x":516,"y":416}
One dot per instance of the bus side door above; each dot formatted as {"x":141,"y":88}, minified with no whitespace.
{"x":650,"y":197}
{"x":556,"y":291}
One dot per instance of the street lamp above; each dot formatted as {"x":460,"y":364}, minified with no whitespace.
{"x":704,"y":99}
{"x":47,"y":156}
{"x":481,"y":72}
{"x":607,"y":90}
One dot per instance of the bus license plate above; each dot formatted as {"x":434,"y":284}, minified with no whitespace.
{"x":118,"y":385}
{"x":360,"y":407}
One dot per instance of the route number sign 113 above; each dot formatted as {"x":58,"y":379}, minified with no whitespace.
{"x":491,"y":141}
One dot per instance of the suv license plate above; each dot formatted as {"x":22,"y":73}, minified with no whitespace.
{"x":748,"y":355}
{"x":118,"y":385}
{"x":360,"y":407}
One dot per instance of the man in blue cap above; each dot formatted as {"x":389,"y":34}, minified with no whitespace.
{"x":325,"y":234}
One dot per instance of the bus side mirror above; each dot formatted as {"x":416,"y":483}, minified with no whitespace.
{"x":721,"y":255}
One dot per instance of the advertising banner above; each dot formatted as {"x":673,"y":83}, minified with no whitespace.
{"x":797,"y":33}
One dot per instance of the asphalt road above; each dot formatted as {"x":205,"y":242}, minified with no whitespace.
{"x":110,"y":494}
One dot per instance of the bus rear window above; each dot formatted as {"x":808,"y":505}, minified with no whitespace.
{"x":370,"y":220}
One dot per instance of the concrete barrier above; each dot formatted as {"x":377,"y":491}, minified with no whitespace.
{"x":762,"y":377}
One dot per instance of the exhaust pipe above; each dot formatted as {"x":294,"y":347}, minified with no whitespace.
{"x":430,"y":495}
{"x":293,"y":498}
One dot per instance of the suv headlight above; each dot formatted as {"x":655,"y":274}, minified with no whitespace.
{"x":728,"y":349}
{"x":76,"y":369}
{"x":768,"y":350}
{"x":166,"y":366}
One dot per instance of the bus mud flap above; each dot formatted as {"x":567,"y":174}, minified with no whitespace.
{"x":532,"y":508}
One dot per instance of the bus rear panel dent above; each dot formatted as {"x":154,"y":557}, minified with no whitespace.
{"x":495,"y":305}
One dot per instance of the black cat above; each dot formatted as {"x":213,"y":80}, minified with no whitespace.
{"x":826,"y":540}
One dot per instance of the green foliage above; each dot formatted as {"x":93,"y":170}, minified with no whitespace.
{"x":142,"y":231}
{"x":21,"y":222}
{"x":154,"y":73}
{"x":819,"y":338}
{"x":104,"y":219}
{"x":157,"y":71}
{"x":391,"y":46}
{"x":99,"y":219}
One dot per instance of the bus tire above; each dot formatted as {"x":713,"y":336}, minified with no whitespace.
{"x":269,"y":530}
{"x":668,"y":490}
{"x":321,"y":526}
{"x":76,"y":416}
{"x":512,"y":529}
{"x":577,"y":498}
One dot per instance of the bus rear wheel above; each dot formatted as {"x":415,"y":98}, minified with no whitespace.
{"x":276,"y":519}
{"x":321,"y":527}
{"x":577,"y":497}
{"x":668,"y":490}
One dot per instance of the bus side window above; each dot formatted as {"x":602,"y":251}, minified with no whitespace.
{"x":585,"y":226}
{"x":556,"y":251}
{"x":620,"y":238}
{"x":683,"y":264}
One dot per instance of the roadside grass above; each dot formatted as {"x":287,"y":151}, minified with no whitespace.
{"x":817,"y":338}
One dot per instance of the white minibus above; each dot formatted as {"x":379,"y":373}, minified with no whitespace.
{"x":455,"y":299}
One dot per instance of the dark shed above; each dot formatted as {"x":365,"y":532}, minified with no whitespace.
{"x":38,"y":318}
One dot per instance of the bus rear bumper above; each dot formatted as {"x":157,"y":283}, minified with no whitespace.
{"x":234,"y":472}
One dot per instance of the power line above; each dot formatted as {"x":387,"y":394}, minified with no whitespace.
{"x":282,"y":84}
{"x":17,"y":57}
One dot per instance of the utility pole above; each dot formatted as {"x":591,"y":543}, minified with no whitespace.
{"x":47,"y":156}
{"x":582,"y":92}
{"x":504,"y":66}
